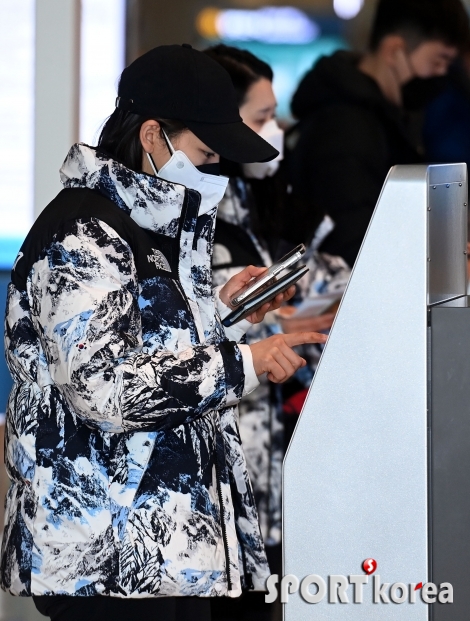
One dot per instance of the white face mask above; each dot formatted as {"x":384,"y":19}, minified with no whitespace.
{"x":273,"y":134}
{"x":180,"y":169}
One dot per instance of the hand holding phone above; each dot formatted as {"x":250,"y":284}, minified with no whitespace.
{"x":267,"y":294}
{"x":268,"y":277}
{"x":238,"y":281}
{"x":262,"y":288}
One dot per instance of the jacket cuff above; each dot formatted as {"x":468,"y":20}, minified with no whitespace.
{"x":221,"y":307}
{"x":251,"y":379}
{"x":237,"y":331}
{"x":234,"y":371}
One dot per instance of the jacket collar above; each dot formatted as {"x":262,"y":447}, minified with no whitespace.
{"x":155,"y":204}
{"x":233,"y":208}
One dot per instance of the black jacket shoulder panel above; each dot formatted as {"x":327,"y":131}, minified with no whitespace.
{"x":240,"y":245}
{"x":83,"y":203}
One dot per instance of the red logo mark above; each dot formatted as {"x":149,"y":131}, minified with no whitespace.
{"x":419,"y":586}
{"x":369,"y":566}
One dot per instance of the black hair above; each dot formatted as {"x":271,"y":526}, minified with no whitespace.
{"x":421,"y":20}
{"x":120,"y":139}
{"x":243,"y":67}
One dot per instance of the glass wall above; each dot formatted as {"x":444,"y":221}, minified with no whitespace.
{"x":16,"y":125}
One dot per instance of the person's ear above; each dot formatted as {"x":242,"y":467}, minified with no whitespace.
{"x":392,"y":49}
{"x":150,"y":136}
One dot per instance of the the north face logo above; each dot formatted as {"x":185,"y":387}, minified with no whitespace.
{"x":159,"y":260}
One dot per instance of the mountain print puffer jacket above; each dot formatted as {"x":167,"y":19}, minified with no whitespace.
{"x":128,"y":476}
{"x":260,"y":413}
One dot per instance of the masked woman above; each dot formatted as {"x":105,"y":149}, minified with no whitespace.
{"x":129,"y":488}
{"x":249,"y":230}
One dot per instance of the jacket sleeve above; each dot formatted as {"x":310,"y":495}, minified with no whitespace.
{"x":250,"y":333}
{"x":84,"y":296}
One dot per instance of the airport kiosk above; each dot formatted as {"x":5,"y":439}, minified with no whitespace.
{"x":379,"y":465}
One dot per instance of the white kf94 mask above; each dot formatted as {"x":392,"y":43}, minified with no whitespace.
{"x":180,"y":169}
{"x":273,"y":134}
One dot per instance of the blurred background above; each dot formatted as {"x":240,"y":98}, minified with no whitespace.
{"x":60,"y":61}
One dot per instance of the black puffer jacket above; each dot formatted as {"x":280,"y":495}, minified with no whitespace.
{"x":349,"y":136}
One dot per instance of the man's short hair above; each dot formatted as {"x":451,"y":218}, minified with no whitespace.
{"x":418,"y":21}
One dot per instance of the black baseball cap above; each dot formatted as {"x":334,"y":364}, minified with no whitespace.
{"x":177,"y":82}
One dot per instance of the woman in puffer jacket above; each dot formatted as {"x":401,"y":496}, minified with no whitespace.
{"x":248,"y":231}
{"x":129,"y":491}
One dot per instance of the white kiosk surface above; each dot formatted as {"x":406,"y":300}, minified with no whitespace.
{"x":356,"y":472}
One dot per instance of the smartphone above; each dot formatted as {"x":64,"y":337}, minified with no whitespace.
{"x":256,"y":301}
{"x":268,"y":277}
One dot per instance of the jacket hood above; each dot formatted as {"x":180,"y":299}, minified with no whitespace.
{"x":336,"y":78}
{"x":153,"y":203}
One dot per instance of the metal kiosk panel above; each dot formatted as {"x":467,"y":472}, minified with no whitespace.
{"x":357,"y":480}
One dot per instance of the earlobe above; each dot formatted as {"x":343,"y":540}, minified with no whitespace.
{"x":401,"y":51}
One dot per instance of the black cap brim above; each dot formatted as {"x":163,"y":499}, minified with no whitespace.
{"x":234,"y":141}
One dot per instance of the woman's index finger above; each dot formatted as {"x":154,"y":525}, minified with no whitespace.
{"x":300,"y":338}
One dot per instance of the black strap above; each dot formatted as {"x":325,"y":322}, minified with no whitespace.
{"x":83,"y":203}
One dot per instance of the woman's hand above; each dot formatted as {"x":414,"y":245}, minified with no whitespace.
{"x":243,"y":278}
{"x":276,"y":357}
{"x":308,"y":324}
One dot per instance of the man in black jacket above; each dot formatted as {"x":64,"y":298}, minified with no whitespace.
{"x":352,"y":123}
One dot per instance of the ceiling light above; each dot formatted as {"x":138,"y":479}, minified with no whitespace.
{"x":347,"y":9}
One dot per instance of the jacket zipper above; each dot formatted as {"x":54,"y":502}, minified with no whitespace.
{"x":274,"y":399}
{"x":179,"y":281}
{"x":183,"y":295}
{"x":222,"y":522}
{"x":217,"y":465}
